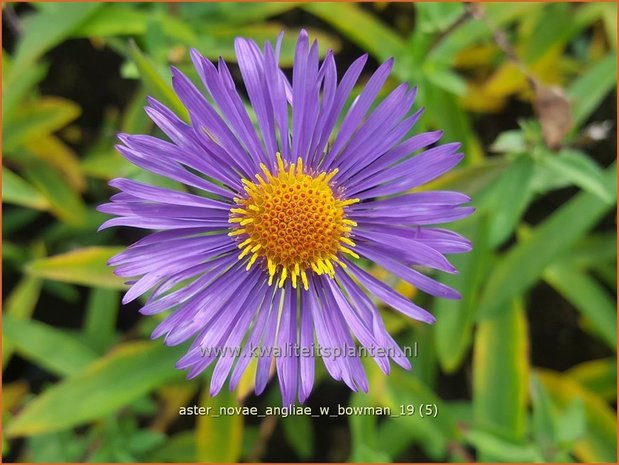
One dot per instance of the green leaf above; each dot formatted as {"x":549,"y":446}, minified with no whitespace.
{"x":19,"y":305}
{"x":45,"y":30}
{"x":580,"y":170}
{"x":597,"y":376}
{"x":427,"y":369}
{"x":589,"y":297}
{"x":489,"y":444}
{"x":33,"y":120}
{"x":63,"y":446}
{"x":572,"y":423}
{"x":506,"y":200}
{"x":87,"y":266}
{"x":65,"y":203}
{"x":512,"y":141}
{"x":555,"y":429}
{"x":445,"y":79}
{"x":544,"y":415}
{"x":589,"y":89}
{"x":471,"y":179}
{"x":437,"y":17}
{"x":473,"y":31}
{"x":547,"y":242}
{"x":112,"y":382}
{"x":179,"y":448}
{"x":60,"y":232}
{"x":46,"y":346}
{"x":154,"y":40}
{"x":122,"y":20}
{"x":13,"y":255}
{"x":556,"y":26}
{"x":233,"y":13}
{"x":17,"y":191}
{"x":609,"y":16}
{"x":364,"y":445}
{"x":553,"y":28}
{"x":454,"y":318}
{"x":20,"y":87}
{"x":106,"y":164}
{"x":101,"y":315}
{"x":402,"y":389}
{"x":594,"y":250}
{"x":64,"y":291}
{"x":393,"y":439}
{"x":23,"y":298}
{"x":134,"y":119}
{"x":607,"y":272}
{"x":155,"y":83}
{"x":219,"y":438}
{"x":299,"y":433}
{"x":500,"y":375}
{"x":361,"y":27}
{"x":17,"y":219}
{"x":599,"y":443}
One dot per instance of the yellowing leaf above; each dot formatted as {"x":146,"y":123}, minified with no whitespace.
{"x":248,"y":380}
{"x":507,"y":80}
{"x":549,"y":69}
{"x":597,"y":376}
{"x":57,"y":154}
{"x":37,"y":119}
{"x":478,"y":99}
{"x":87,"y":266}
{"x":219,"y":437}
{"x":13,"y":394}
{"x":500,"y":373}
{"x":476,"y":56}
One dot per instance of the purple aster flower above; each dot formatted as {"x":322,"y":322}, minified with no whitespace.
{"x":261,"y":255}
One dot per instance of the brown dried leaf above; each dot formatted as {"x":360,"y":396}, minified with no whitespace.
{"x":554,"y":112}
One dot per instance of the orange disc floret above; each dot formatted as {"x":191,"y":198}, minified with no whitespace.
{"x":294,"y":222}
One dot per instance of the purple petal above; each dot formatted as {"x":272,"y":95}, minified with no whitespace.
{"x":287,"y":363}
{"x":306,"y":344}
{"x":388,"y":261}
{"x":358,"y":110}
{"x":389,"y":296}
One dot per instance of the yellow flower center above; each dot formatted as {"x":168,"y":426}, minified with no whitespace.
{"x":294,"y":222}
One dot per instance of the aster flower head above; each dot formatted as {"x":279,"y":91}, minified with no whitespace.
{"x":262,"y":250}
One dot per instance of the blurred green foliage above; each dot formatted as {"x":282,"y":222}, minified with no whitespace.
{"x":113,"y":396}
